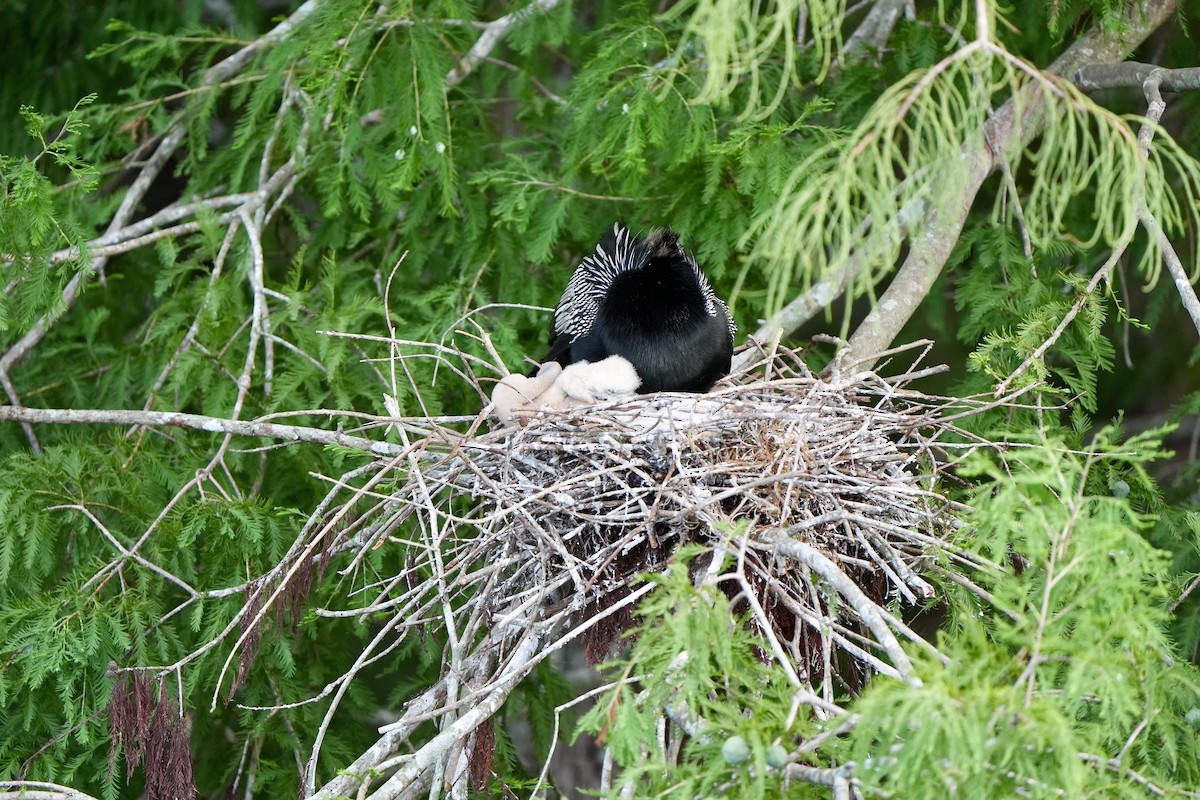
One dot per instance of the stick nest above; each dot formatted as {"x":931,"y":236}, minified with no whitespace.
{"x":819,"y":501}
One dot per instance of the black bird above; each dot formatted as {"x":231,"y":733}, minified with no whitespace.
{"x":647,"y":301}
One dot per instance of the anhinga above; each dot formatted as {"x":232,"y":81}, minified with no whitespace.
{"x":647,"y":301}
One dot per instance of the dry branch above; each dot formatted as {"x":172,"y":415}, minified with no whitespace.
{"x":232,"y":427}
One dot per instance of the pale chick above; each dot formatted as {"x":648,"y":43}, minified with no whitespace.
{"x":518,"y":397}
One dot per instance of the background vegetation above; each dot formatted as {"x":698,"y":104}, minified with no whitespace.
{"x":211,"y":208}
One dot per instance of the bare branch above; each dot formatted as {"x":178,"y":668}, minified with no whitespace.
{"x":39,"y":790}
{"x":867,"y":610}
{"x":232,"y":427}
{"x":1130,"y":74}
{"x":1154,"y":111}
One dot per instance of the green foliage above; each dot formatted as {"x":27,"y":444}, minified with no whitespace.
{"x":903,"y":159}
{"x":1070,"y":658}
{"x":745,"y":43}
{"x":408,"y":203}
{"x":33,"y":220}
{"x":1110,"y":13}
{"x":693,"y":657}
{"x":1037,"y":294}
{"x":538,"y":698}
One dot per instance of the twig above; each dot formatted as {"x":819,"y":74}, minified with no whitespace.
{"x":1081,"y":300}
{"x":125,"y":553}
{"x":1155,"y":108}
{"x":1115,"y":765}
{"x":871,"y":614}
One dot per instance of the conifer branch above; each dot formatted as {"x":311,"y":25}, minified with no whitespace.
{"x":127,"y":553}
{"x":189,"y":338}
{"x":1102,"y":275}
{"x":1118,"y":766}
{"x":1155,"y":107}
{"x":1010,"y":129}
{"x":494,"y":550}
{"x":150,"y":229}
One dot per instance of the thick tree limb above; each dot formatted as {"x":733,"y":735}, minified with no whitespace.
{"x":1008,"y":131}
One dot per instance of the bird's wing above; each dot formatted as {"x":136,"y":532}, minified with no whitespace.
{"x":617,"y":252}
{"x":724,"y":309}
{"x":713,"y":305}
{"x":559,"y":345}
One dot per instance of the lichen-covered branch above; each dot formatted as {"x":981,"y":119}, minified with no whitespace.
{"x":1132,"y":74}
